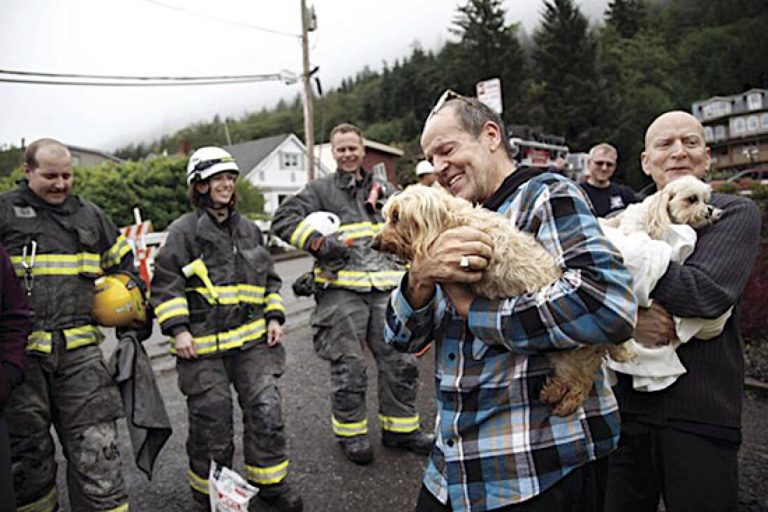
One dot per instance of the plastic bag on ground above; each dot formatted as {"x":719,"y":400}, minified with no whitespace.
{"x":228,"y":491}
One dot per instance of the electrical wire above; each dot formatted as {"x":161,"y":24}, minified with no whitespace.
{"x":223,"y":20}
{"x":145,"y":84}
{"x":121,"y":77}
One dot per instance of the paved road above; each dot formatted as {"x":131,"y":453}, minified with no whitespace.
{"x":329,"y":483}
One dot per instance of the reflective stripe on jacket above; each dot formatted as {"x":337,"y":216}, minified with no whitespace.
{"x":242,"y":293}
{"x":57,"y":252}
{"x":339,"y":193}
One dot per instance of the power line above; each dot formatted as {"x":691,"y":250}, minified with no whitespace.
{"x":145,"y":84}
{"x":223,"y":20}
{"x":137,"y":78}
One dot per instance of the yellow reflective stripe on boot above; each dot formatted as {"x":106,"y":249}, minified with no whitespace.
{"x":197,"y":483}
{"x":349,"y":429}
{"x":269,"y":475}
{"x":172,"y":308}
{"x":399,"y":425}
{"x":47,"y":503}
{"x":120,"y":508}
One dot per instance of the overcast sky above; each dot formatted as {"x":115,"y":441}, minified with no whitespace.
{"x":196,"y":38}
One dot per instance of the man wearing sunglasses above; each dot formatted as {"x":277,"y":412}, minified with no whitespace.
{"x":498,"y":447}
{"x":607,"y":197}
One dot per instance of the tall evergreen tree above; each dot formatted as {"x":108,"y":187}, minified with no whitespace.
{"x":488,"y":48}
{"x":565,"y":67}
{"x":627,"y":17}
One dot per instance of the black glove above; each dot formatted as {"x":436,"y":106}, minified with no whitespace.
{"x":332,"y":253}
{"x":304,"y":285}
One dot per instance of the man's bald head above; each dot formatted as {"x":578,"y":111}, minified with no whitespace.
{"x":675,"y":117}
{"x":675,"y":147}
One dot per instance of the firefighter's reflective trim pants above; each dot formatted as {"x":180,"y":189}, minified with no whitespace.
{"x":72,"y":390}
{"x":206,"y":384}
{"x":344,"y":323}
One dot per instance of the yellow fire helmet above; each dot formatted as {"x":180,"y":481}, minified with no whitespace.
{"x":118,"y":301}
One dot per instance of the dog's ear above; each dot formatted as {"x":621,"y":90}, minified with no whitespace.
{"x":657,"y":214}
{"x":394,"y":213}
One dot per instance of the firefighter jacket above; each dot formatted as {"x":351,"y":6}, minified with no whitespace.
{"x":216,"y":280}
{"x":58,"y":251}
{"x":366,"y":269}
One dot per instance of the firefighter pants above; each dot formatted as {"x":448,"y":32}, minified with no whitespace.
{"x":206,"y":384}
{"x":345,"y":322}
{"x":72,"y":390}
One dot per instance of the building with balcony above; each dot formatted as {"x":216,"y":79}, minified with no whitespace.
{"x":736,"y":129}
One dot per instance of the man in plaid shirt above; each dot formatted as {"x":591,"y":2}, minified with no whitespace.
{"x":498,"y":447}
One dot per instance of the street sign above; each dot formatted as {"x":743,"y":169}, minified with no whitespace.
{"x":489,"y":92}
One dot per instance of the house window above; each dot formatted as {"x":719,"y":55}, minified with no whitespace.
{"x":738,"y":126}
{"x":754,"y":101}
{"x":764,"y":123}
{"x":262,"y":176}
{"x":716,"y":109}
{"x":708,"y":134}
{"x":720,"y":132}
{"x":290,"y":161}
{"x":380,"y":170}
{"x":753,"y":124}
{"x":293,"y":177}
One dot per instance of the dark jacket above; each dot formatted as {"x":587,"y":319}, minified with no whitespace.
{"x":73,"y":244}
{"x":239,"y":267}
{"x":15,"y":324}
{"x":340,"y":193}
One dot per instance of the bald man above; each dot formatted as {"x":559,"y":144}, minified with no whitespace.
{"x":681,"y":444}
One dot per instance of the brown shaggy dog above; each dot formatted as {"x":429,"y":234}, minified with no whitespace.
{"x":418,"y":215}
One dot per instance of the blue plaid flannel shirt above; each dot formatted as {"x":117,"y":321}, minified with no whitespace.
{"x":496,"y":442}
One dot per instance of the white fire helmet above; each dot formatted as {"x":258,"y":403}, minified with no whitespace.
{"x":208,"y":161}
{"x":424,"y":167}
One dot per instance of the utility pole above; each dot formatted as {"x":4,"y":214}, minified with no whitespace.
{"x":307,"y":25}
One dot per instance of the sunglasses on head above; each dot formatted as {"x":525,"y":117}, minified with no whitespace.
{"x":448,"y":95}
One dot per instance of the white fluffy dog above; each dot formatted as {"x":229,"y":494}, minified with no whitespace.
{"x":682,"y":201}
{"x":418,"y":215}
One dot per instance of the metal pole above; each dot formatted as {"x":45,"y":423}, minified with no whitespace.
{"x":309,"y":125}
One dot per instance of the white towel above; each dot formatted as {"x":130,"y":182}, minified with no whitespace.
{"x":647,"y":260}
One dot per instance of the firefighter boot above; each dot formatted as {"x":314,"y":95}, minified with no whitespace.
{"x":417,"y":441}
{"x":282,"y":496}
{"x":357,"y":449}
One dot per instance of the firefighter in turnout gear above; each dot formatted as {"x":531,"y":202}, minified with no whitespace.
{"x":353,"y":282}
{"x":59,"y":244}
{"x":216,"y":292}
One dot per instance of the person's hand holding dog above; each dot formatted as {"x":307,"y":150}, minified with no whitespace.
{"x":456,"y":258}
{"x":655,"y":327}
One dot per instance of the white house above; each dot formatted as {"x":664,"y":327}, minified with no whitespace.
{"x":275,"y":165}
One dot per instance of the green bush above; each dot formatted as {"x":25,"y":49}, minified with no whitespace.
{"x":156,"y":186}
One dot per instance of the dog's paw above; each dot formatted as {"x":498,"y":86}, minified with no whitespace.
{"x":621,"y":353}
{"x":553,"y":391}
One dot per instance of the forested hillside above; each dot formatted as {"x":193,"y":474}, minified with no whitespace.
{"x":588,"y":83}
